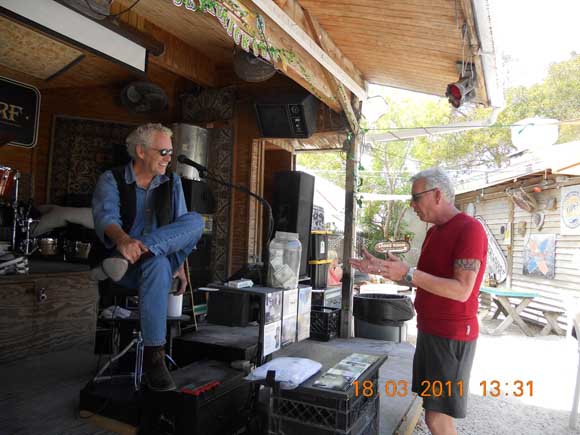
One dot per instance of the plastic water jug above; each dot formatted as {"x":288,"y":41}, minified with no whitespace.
{"x":284,"y":263}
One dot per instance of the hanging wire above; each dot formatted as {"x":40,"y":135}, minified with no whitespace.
{"x":471,"y":127}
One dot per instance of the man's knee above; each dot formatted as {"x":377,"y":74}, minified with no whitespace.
{"x":157,"y":266}
{"x":439,"y":423}
{"x":196,"y":225}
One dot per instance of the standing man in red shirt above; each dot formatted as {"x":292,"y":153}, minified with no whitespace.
{"x":448,"y":276}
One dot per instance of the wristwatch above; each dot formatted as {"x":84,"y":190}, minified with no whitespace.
{"x":409,"y":275}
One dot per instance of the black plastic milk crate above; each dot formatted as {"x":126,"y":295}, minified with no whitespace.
{"x":324,"y":323}
{"x":305,"y":414}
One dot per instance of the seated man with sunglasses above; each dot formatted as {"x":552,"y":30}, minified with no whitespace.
{"x":448,"y":276}
{"x":140,"y":214}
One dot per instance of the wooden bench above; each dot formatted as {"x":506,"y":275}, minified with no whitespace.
{"x":551,"y":315}
{"x":504,"y":300}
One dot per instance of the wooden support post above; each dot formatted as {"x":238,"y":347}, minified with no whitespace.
{"x":346,"y":323}
{"x":346,"y":319}
{"x":510,"y":248}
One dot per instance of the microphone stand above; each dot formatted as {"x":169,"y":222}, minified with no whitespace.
{"x":204,"y":173}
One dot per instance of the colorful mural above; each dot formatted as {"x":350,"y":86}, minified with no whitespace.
{"x":540,"y":255}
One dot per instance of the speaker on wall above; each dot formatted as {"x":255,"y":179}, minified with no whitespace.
{"x":292,"y":208}
{"x":291,"y":116}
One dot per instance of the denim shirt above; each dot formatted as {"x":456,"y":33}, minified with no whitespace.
{"x":106,"y":204}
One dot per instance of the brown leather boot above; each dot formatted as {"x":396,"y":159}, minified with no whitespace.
{"x":157,"y":375}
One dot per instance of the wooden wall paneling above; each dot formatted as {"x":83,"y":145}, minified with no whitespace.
{"x":255,"y":211}
{"x":66,"y":319}
{"x":179,"y":56}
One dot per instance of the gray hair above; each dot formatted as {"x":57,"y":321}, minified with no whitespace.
{"x":143,"y":135}
{"x":436,"y":177}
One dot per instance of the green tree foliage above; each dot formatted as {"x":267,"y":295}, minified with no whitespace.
{"x":329,"y":165}
{"x":392,"y":163}
{"x":557,"y":97}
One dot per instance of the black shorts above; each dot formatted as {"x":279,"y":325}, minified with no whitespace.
{"x":441,"y":370}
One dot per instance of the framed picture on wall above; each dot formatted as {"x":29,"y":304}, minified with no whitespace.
{"x":540,"y":255}
{"x":570,"y":210}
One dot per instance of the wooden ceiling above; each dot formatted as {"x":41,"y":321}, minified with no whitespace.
{"x":410,"y":44}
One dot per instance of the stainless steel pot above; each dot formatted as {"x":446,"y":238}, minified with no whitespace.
{"x":48,"y":247}
{"x":75,"y":250}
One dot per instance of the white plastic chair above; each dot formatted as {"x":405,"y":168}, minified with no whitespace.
{"x":574,"y":413}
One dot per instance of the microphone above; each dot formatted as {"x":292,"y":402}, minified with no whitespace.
{"x":183,"y":159}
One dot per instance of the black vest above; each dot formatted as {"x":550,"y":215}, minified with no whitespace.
{"x":162,"y":201}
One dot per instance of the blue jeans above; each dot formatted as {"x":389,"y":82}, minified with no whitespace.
{"x":170,"y":244}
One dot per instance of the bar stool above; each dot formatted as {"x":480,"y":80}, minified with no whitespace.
{"x":110,"y":292}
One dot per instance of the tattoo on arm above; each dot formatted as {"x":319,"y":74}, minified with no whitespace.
{"x":467,"y":264}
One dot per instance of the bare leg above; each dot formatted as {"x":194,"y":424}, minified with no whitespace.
{"x":439,"y":423}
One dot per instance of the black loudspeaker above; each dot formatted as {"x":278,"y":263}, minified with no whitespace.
{"x":293,"y":198}
{"x":287,"y":116}
{"x":198,"y":196}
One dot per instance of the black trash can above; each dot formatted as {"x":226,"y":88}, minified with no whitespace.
{"x":381,"y":316}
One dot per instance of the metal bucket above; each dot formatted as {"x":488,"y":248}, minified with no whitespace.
{"x":191,"y":141}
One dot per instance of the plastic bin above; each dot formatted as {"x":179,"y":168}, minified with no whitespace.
{"x":382,"y":316}
{"x":324,"y":323}
{"x":329,"y":297}
{"x":318,"y":273}
{"x":318,"y":247}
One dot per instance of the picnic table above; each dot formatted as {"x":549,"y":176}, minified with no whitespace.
{"x":503,"y":299}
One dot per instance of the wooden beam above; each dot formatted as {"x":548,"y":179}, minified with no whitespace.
{"x":297,"y":33}
{"x":473,"y":49}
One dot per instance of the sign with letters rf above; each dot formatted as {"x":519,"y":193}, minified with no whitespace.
{"x":19,"y":113}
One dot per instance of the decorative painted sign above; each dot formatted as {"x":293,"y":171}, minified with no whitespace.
{"x":496,"y":261}
{"x":233,"y":18}
{"x":540,"y":255}
{"x":570,"y":210}
{"x":19,"y":112}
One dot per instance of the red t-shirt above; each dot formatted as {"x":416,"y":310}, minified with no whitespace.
{"x":462,"y":237}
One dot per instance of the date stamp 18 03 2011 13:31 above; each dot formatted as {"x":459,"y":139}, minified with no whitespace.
{"x":402,"y":388}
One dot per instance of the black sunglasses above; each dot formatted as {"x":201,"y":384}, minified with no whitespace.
{"x":416,"y":196}
{"x":163,"y":151}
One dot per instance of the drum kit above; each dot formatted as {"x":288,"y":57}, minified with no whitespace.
{"x":14,"y":252}
{"x":17,"y":223}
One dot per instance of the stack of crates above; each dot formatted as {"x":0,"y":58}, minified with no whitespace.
{"x":326,"y":412}
{"x":318,"y":258}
